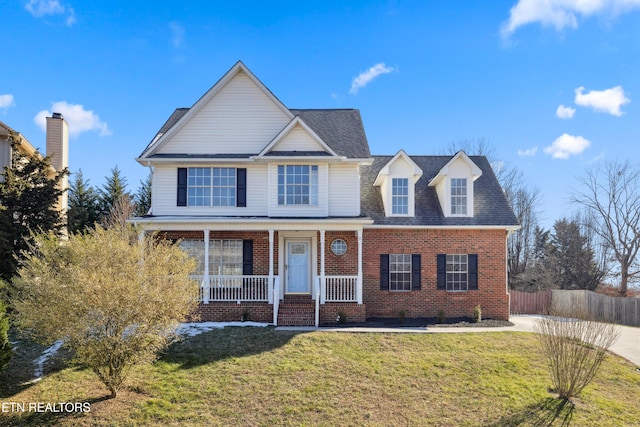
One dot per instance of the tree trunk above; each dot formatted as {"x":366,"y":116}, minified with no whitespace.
{"x":623,"y":282}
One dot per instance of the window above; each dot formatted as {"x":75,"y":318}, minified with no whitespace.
{"x":225,"y":257}
{"x":195,"y":249}
{"x":400,"y":196}
{"x":211,"y":187}
{"x":399,"y":272}
{"x":458,"y":196}
{"x":224,"y":187}
{"x":457,"y":272}
{"x":297,"y":185}
{"x":339,"y":247}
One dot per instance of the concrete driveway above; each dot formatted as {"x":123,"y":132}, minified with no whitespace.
{"x":627,"y":345}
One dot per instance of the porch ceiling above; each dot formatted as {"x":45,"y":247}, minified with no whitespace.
{"x":250,"y":223}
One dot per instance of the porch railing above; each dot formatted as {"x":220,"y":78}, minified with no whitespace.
{"x":234,"y":288}
{"x":276,"y":299}
{"x":339,"y":289}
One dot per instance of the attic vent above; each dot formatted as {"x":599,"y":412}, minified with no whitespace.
{"x":57,"y":116}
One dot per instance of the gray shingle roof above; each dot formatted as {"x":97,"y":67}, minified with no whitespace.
{"x":490,"y":203}
{"x":340,"y":129}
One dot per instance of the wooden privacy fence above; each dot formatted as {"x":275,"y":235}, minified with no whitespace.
{"x":530,"y":303}
{"x":624,"y":311}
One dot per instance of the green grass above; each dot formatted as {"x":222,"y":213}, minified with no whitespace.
{"x":260,"y":376}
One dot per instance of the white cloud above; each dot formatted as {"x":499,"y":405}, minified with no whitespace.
{"x":528,"y":152}
{"x":177,"y":34}
{"x":79,"y":119}
{"x":567,"y":145}
{"x":606,"y":101}
{"x":565,"y":112}
{"x":41,"y":8}
{"x":366,"y":77}
{"x":562,"y":14}
{"x":6,"y":100}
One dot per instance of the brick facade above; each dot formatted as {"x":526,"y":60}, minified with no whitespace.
{"x":490,"y":245}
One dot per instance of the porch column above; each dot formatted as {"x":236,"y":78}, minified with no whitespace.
{"x":322,"y":283}
{"x":205,"y":276}
{"x":271,"y":288}
{"x":359,"y":280}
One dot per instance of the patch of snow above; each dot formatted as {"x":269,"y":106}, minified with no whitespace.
{"x":194,"y":328}
{"x":40,"y":361}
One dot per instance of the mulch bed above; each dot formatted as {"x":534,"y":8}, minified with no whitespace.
{"x":376,"y":322}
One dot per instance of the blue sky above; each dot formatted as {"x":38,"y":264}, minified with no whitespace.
{"x":553,"y":86}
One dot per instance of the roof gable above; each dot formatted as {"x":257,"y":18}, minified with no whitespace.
{"x":297,"y":136}
{"x":222,"y":116}
{"x":446,"y":170}
{"x":405,"y":162}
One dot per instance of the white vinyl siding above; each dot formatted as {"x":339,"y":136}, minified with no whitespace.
{"x":241,"y":118}
{"x":298,"y":140}
{"x":344,"y":190}
{"x":320,"y":209}
{"x":164,"y":194}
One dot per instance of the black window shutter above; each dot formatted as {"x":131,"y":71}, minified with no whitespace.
{"x":182,"y":187}
{"x":415,"y":272}
{"x":442,"y":271}
{"x":247,"y":257}
{"x":241,"y":187}
{"x":473,"y":271}
{"x":384,"y":272}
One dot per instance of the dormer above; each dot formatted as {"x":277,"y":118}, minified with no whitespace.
{"x":454,"y":185}
{"x":397,"y":182}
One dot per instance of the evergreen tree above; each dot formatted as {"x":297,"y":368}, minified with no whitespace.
{"x":29,"y":195}
{"x":5,"y":345}
{"x":84,"y":210}
{"x":572,"y":258}
{"x":112,"y":191}
{"x":143,"y":197}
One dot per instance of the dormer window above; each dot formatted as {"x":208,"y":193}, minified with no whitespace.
{"x":397,"y":181}
{"x":400,"y":196}
{"x":458,"y":196}
{"x":454,"y":184}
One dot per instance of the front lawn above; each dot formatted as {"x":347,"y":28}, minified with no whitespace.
{"x":260,"y":376}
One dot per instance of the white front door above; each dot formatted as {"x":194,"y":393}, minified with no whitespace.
{"x":297,"y":266}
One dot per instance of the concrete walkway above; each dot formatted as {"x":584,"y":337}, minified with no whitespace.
{"x":627,"y":345}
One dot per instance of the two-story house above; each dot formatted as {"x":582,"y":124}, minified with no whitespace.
{"x":293,"y":221}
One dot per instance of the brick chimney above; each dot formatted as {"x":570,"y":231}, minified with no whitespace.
{"x":58,"y":151}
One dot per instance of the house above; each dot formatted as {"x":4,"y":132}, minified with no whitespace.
{"x":57,"y":148}
{"x":293,"y":221}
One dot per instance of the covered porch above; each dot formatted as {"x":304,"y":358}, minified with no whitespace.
{"x":310,"y":267}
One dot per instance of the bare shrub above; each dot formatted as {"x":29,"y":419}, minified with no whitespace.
{"x":114,"y":302}
{"x":575,"y":346}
